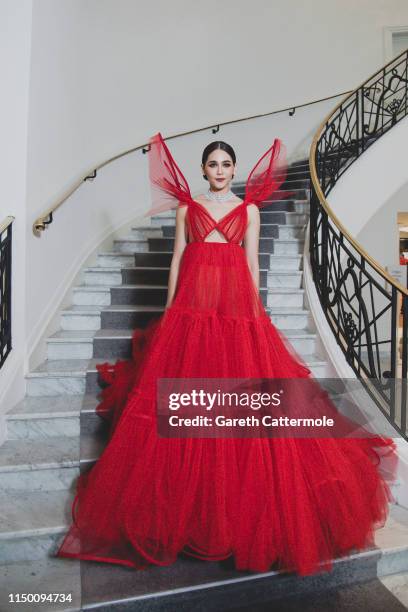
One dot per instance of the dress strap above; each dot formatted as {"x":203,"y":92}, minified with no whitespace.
{"x":169,"y":187}
{"x":266,"y":177}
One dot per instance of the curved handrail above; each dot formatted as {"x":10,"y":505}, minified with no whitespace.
{"x":325,"y":204}
{"x":364,"y":314}
{"x":4,"y":224}
{"x":46,"y":218}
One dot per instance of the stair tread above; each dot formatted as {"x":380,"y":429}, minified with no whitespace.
{"x":34,"y":513}
{"x":94,"y":288}
{"x":47,"y":453}
{"x":111,"y":269}
{"x":286,"y":239}
{"x":115,"y":253}
{"x":77,"y":309}
{"x":40,"y":453}
{"x":285,"y":272}
{"x":130,"y":239}
{"x":45,"y":406}
{"x":60,"y":367}
{"x":298,"y":333}
{"x":64,"y":335}
{"x":285,"y":290}
{"x":286,"y":310}
{"x":288,"y":256}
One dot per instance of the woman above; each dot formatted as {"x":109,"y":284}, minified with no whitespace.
{"x":294,"y":502}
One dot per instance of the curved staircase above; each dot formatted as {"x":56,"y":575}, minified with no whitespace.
{"x":54,"y":432}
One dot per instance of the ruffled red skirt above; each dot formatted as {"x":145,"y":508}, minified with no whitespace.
{"x":292,"y":503}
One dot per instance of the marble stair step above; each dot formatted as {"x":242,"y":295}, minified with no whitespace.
{"x":32,"y":523}
{"x":129,"y":316}
{"x":70,"y":344}
{"x":80,"y":318}
{"x":298,"y":205}
{"x":288,"y":246}
{"x":146,"y":231}
{"x":290,"y":318}
{"x":42,"y":464}
{"x":58,"y":377}
{"x":284,"y":278}
{"x":285,"y":262}
{"x":289,"y":231}
{"x":92,"y":318}
{"x":93,"y":295}
{"x":285,"y":296}
{"x":106,"y":275}
{"x":304,"y":341}
{"x":114,"y":258}
{"x":130,"y":244}
{"x":44,"y":417}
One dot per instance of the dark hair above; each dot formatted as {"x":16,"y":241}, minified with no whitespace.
{"x":218,"y":144}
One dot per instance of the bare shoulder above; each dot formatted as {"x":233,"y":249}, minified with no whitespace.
{"x":253,"y":211}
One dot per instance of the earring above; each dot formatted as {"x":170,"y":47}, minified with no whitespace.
{"x":205,"y":177}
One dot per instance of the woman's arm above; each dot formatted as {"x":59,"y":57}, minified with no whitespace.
{"x":180,"y":242}
{"x":251,"y":241}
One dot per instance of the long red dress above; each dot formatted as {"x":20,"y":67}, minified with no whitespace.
{"x":297,"y":503}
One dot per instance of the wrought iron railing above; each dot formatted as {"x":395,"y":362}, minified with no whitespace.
{"x":5,"y":288}
{"x":367,"y":309}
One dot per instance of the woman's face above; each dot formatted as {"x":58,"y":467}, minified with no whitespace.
{"x":219,"y":169}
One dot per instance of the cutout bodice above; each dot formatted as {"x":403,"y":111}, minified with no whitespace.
{"x":201,"y":224}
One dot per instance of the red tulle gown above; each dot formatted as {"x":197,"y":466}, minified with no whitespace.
{"x":283,"y":502}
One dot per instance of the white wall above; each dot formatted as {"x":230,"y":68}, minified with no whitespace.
{"x":379,"y":236}
{"x":106,"y":74}
{"x":15,"y":31}
{"x":371,"y":192}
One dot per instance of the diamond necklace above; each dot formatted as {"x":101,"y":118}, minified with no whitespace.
{"x":215,"y":197}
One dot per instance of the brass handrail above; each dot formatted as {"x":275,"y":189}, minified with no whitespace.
{"x":4,"y":224}
{"x":325,"y":204}
{"x":41,"y":223}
